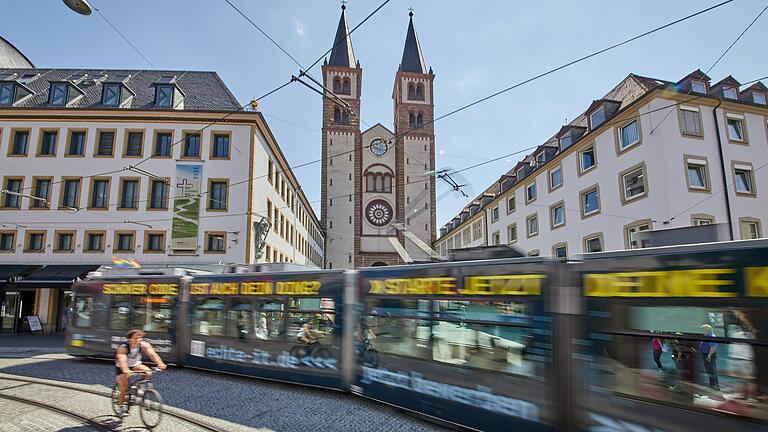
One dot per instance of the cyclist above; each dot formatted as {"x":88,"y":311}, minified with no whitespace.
{"x":128,"y":361}
{"x":305,"y":334}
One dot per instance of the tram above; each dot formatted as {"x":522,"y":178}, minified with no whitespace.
{"x":613,"y":341}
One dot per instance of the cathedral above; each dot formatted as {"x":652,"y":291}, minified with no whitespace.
{"x":378,"y":190}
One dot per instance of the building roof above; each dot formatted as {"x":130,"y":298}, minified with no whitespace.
{"x":758,"y":86}
{"x":342,"y":53}
{"x":729,"y":80}
{"x":697,"y":75}
{"x":11,"y":57}
{"x":203,"y":91}
{"x":413,"y":60}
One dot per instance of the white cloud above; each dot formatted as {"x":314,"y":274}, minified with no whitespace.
{"x":299,"y":28}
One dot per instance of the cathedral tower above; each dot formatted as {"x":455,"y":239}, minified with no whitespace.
{"x":342,"y":75}
{"x":378,"y":189}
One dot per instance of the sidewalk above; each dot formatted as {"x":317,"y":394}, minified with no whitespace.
{"x":27,"y":345}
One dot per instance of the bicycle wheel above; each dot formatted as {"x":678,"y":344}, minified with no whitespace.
{"x":297,"y":351}
{"x":127,"y":401}
{"x":151,"y":408}
{"x":371,"y":358}
{"x":321,"y":352}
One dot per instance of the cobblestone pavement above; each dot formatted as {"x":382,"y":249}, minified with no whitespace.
{"x":230,"y":399}
{"x":20,"y":417}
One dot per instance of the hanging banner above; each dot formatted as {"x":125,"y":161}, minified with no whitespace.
{"x":186,"y":207}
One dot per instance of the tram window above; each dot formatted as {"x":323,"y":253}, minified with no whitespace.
{"x":322,"y":324}
{"x":499,"y":311}
{"x":660,"y":353}
{"x":83,"y":310}
{"x":493,"y":347}
{"x":240,"y":317}
{"x":208,"y":317}
{"x":268,"y":322}
{"x":151,"y":314}
{"x":399,"y":307}
{"x":399,"y":336}
{"x":119,"y":312}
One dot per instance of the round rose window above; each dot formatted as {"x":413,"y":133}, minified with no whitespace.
{"x":378,"y":212}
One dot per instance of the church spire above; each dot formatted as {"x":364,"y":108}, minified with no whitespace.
{"x":342,"y":53}
{"x":413,"y":60}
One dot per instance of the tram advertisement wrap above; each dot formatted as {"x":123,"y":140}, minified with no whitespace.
{"x":481,"y":397}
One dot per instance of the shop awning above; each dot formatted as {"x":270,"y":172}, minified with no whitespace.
{"x":57,"y":275}
{"x":9,"y":271}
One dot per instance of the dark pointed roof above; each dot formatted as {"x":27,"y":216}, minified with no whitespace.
{"x":697,"y":75}
{"x":413,"y":60}
{"x":758,"y":86}
{"x":342,"y":53}
{"x":729,"y":80}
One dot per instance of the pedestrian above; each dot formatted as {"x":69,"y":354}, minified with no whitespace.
{"x":741,"y":356}
{"x":708,"y":352}
{"x":657,"y":350}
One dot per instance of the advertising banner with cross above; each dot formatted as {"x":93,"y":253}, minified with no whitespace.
{"x":186,"y":207}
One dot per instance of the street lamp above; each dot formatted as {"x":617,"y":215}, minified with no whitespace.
{"x":80,"y":6}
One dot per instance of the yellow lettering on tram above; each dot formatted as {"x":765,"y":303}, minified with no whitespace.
{"x":199,"y":288}
{"x":224,"y":288}
{"x":414,"y":286}
{"x":124,"y":288}
{"x":667,"y":283}
{"x":163,"y":289}
{"x":298,"y":287}
{"x":756,"y":281}
{"x":256,"y":288}
{"x":523,"y":284}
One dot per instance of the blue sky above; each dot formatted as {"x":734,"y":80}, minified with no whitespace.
{"x":475,"y":49}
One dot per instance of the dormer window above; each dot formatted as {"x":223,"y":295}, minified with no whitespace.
{"x":541,"y":158}
{"x":7,"y":90}
{"x":730,"y":93}
{"x":698,"y":87}
{"x":566,"y":141}
{"x":758,"y":98}
{"x":58,"y":94}
{"x":597,"y":118}
{"x":111,"y":95}
{"x":164,"y":95}
{"x":63,"y":93}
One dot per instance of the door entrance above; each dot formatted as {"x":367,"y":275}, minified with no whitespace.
{"x":26,"y":307}
{"x":9,"y":311}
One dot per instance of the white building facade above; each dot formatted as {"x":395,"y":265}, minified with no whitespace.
{"x":160,"y":167}
{"x":651,"y":155}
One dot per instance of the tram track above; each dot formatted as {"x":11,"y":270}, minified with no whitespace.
{"x":106,"y":394}
{"x":25,"y":401}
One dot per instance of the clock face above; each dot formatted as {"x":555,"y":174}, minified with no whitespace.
{"x":379,"y":213}
{"x":379,"y":147}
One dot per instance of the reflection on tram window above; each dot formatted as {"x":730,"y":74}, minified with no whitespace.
{"x":498,"y":311}
{"x":399,"y":307}
{"x":268,"y":322}
{"x":152,"y":314}
{"x":312,"y":304}
{"x":493,"y":347}
{"x":321,"y":325}
{"x":400,"y":336}
{"x":83,"y":310}
{"x":709,"y":358}
{"x":240,"y":317}
{"x":119,"y":312}
{"x":208,"y":317}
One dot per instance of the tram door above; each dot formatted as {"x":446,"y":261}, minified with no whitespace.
{"x":9,"y":311}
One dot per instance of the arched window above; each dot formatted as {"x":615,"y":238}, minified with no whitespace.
{"x":379,"y":183}
{"x":411,"y":91}
{"x":369,"y":183}
{"x":345,"y":117}
{"x":411,"y":120}
{"x":336,"y":115}
{"x":420,"y":120}
{"x":388,"y":183}
{"x":336,"y":85}
{"x":346,"y":86}
{"x":420,"y":92}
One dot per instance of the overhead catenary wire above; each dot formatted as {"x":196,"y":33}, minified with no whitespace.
{"x":123,"y":36}
{"x":718,"y":59}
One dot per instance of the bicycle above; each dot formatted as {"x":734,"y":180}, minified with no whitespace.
{"x":367,"y":354}
{"x":313,"y":349}
{"x":141,"y":392}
